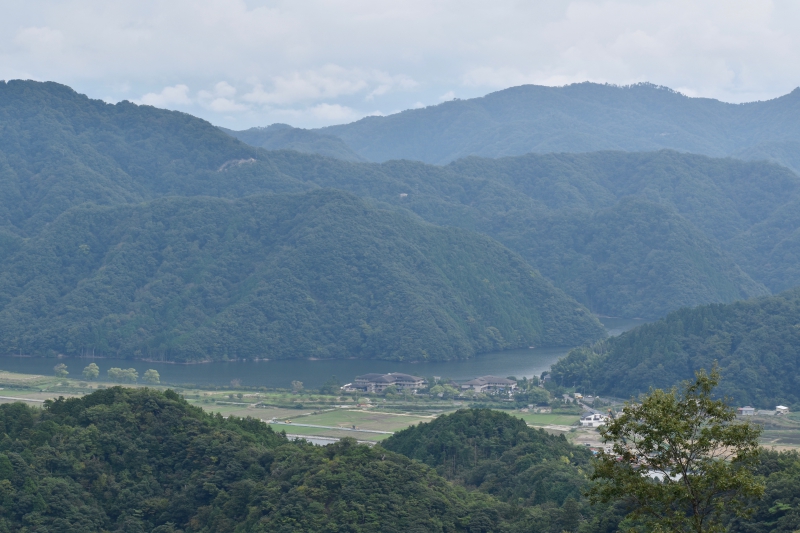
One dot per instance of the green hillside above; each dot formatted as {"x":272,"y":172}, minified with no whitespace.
{"x":320,"y":274}
{"x":756,"y":342}
{"x":583,"y":117}
{"x":136,"y":460}
{"x":285,"y":137}
{"x":132,"y":460}
{"x":611,"y":229}
{"x":626,"y":234}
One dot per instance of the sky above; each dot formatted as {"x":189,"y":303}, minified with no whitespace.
{"x":312,"y":63}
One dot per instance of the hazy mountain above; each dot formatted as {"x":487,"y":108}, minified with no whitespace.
{"x":755,"y":342}
{"x":285,"y":137}
{"x":627,"y":234}
{"x":583,"y":117}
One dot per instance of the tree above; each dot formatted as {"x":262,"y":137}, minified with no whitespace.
{"x":129,"y":375}
{"x":678,"y":459}
{"x":152,"y":377}
{"x":91,"y":372}
{"x":297,"y":386}
{"x":61,"y":370}
{"x":331,"y":387}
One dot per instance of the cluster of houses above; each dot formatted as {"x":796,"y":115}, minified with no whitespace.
{"x":752,"y":411}
{"x":380,"y":382}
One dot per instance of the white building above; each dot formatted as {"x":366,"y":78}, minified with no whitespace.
{"x":746,"y":411}
{"x":781,"y":410}
{"x":594,"y":420}
{"x":485,"y":383}
{"x":379,"y":382}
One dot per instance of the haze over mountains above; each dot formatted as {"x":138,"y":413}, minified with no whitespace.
{"x":634,"y":234}
{"x":583,"y":117}
{"x":153,"y":274}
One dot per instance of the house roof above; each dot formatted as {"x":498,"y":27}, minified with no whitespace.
{"x":490,"y":380}
{"x":392,"y":377}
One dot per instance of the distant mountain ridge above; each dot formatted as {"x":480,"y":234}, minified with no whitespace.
{"x":583,"y":117}
{"x":285,"y":137}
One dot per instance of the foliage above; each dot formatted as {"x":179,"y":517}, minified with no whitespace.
{"x":60,"y":370}
{"x":331,"y":387}
{"x":119,"y":375}
{"x":320,"y":274}
{"x":495,"y":453}
{"x":91,"y":372}
{"x":756,"y":342}
{"x":137,"y":460}
{"x":778,"y":511}
{"x":152,"y":377}
{"x":679,"y":460}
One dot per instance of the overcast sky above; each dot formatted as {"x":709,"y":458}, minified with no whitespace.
{"x":312,"y":63}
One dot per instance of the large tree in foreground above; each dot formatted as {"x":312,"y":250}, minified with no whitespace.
{"x":679,"y":459}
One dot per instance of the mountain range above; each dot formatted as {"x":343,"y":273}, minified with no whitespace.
{"x":582,"y":117}
{"x":634,"y":234}
{"x":144,"y":233}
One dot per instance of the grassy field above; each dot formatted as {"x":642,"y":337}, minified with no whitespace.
{"x":334,"y":433}
{"x":362,"y":419}
{"x":541,"y":419}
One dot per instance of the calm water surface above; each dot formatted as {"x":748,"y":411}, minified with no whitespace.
{"x":280,"y":374}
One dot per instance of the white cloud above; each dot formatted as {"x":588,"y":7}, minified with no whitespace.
{"x":39,"y":39}
{"x":177,"y":95}
{"x":333,"y":113}
{"x":449,"y":95}
{"x":281,"y":58}
{"x":221,"y":99}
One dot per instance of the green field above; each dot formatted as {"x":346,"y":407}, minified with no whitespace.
{"x":362,"y":419}
{"x":335,"y":433}
{"x":537,"y":419}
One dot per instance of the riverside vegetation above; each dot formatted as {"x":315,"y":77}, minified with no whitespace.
{"x":756,"y":344}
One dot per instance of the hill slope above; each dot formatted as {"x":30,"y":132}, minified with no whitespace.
{"x":756,"y":342}
{"x":136,"y":460}
{"x":568,"y":215}
{"x":320,"y":274}
{"x":583,"y":117}
{"x":285,"y":137}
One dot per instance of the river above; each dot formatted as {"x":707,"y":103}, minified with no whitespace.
{"x":280,"y":374}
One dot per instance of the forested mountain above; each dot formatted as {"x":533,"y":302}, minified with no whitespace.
{"x":126,"y":460}
{"x":582,"y":117}
{"x":755,"y":342}
{"x":498,"y":454}
{"x":319,"y":274}
{"x":285,"y":137}
{"x":627,"y":234}
{"x":131,"y":460}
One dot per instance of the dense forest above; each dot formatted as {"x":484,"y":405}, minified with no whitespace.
{"x":756,"y":344}
{"x":562,"y":213}
{"x":127,"y":460}
{"x":498,"y":454}
{"x":320,"y":274}
{"x":136,"y":460}
{"x":582,"y":117}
